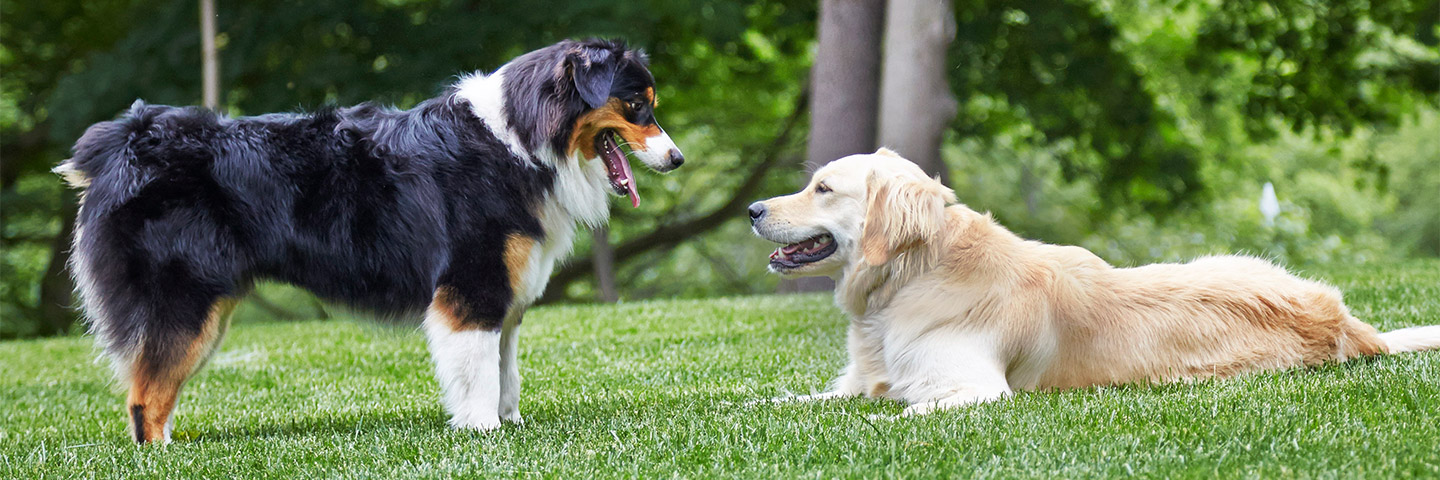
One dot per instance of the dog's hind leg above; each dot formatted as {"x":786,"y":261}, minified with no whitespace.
{"x":169,"y":354}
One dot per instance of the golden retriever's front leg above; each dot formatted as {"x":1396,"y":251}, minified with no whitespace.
{"x":966,"y":396}
{"x":950,"y":369}
{"x":850,"y":384}
{"x":865,"y":375}
{"x":844,"y":387}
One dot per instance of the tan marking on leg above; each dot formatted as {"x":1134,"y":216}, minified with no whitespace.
{"x":448,"y":308}
{"x":154,"y":388}
{"x":517,"y":259}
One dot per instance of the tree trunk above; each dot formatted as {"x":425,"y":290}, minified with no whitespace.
{"x":210,"y":59}
{"x":604,"y":257}
{"x":844,"y":92}
{"x":916,"y":105}
{"x":57,"y":290}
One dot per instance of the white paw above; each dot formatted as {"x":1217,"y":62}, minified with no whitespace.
{"x":478,"y":423}
{"x":764,"y":401}
{"x":918,"y":409}
{"x":514,"y":418}
{"x":797,"y":398}
{"x":880,"y":417}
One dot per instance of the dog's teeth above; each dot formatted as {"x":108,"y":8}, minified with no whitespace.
{"x":624,"y":182}
{"x":823,"y":240}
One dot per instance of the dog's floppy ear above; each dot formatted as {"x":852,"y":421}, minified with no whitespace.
{"x":902,"y":212}
{"x":593,"y":72}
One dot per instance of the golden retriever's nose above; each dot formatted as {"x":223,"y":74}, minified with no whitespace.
{"x":757,"y":210}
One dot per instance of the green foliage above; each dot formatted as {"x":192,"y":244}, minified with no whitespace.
{"x":1414,"y":180}
{"x":26,"y":253}
{"x":658,"y":389}
{"x":1054,"y":71}
{"x":1337,"y":64}
{"x":1142,"y":130}
{"x":1335,"y":207}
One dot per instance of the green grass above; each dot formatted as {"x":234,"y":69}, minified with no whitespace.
{"x":655,"y":389}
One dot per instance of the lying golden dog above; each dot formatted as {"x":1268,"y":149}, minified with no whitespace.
{"x":949,"y":308}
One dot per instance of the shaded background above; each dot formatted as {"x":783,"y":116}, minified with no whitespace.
{"x":1141,"y":130}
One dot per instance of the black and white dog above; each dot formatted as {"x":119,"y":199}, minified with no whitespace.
{"x":459,"y":207}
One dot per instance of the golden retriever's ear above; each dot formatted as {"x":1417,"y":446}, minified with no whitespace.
{"x":903,"y":212}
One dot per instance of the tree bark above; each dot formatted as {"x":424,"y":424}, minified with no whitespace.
{"x":916,"y":105}
{"x":844,"y":87}
{"x":210,"y":58}
{"x":57,"y":290}
{"x":604,"y":256}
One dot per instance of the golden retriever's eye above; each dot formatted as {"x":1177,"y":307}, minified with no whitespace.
{"x":822,"y":188}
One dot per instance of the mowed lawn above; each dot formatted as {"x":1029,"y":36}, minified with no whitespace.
{"x":658,"y":389}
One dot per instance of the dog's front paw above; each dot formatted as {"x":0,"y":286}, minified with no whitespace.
{"x":513,"y":417}
{"x":814,"y":397}
{"x":479,"y":423}
{"x":919,"y":409}
{"x":880,"y":417}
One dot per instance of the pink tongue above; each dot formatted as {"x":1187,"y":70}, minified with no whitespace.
{"x":634,"y":195}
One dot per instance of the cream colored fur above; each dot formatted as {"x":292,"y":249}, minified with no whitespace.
{"x":948,"y":308}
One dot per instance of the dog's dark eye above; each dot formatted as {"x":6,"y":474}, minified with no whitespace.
{"x":822,"y":188}
{"x":636,"y":105}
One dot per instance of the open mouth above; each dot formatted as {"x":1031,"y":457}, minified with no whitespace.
{"x":622,"y":180}
{"x":804,"y":252}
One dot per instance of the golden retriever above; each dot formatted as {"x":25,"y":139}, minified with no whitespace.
{"x":948,"y":308}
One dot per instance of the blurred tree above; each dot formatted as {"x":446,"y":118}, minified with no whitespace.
{"x":604,"y":259}
{"x":916,"y":106}
{"x":209,"y":57}
{"x":845,"y":80}
{"x":845,"y":87}
{"x":1337,"y":64}
{"x":1060,"y":70}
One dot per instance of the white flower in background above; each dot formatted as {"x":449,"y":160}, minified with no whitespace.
{"x":1269,"y":204}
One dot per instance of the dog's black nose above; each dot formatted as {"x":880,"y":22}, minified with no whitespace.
{"x":676,"y":159}
{"x":757,"y":210}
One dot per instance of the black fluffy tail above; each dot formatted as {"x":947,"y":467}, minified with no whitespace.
{"x":103,"y":144}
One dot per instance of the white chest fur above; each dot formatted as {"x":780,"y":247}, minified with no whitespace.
{"x":580,"y":193}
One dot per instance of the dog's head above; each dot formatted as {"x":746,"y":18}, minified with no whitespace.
{"x":589,"y":101}
{"x":861,"y":208}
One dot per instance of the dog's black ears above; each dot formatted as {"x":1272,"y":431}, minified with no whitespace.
{"x":593,"y":71}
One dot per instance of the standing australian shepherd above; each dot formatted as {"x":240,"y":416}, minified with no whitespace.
{"x":459,"y":207}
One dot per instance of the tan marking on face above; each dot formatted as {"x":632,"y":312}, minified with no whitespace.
{"x":610,"y":116}
{"x":517,"y":258}
{"x":154,"y":388}
{"x":650,"y":96}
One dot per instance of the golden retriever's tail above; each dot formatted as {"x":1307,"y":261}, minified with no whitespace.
{"x":1413,"y":339}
